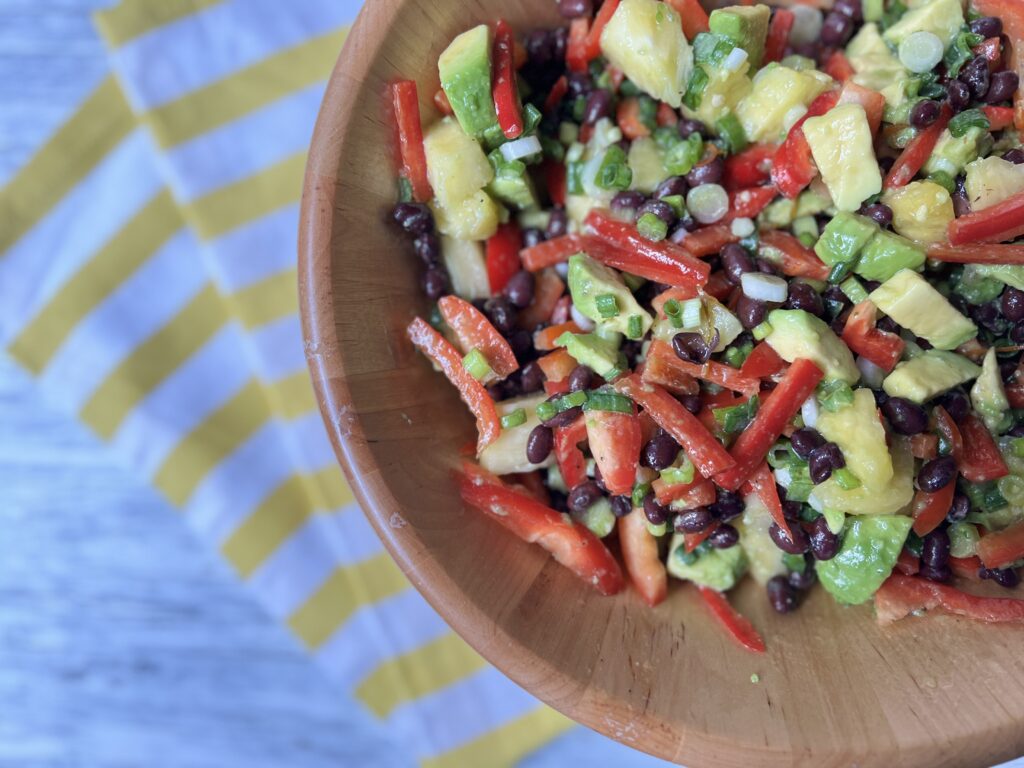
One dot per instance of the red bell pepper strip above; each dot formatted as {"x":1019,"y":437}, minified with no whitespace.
{"x":503,"y":255}
{"x":762,"y":362}
{"x":666,"y":115}
{"x":555,"y":182}
{"x":966,"y":567}
{"x":790,"y":256}
{"x":762,"y":485}
{"x":699,"y":493}
{"x":628,"y":118}
{"x":718,"y":285}
{"x":998,"y":117}
{"x":545,"y":338}
{"x":900,"y":596}
{"x":747,"y":203}
{"x":546,"y":293}
{"x":558,"y":91}
{"x":838,"y":67}
{"x":475,"y":331}
{"x":1012,"y":15}
{"x":572,"y":545}
{"x":693,"y":540}
{"x":571,"y":461}
{"x":738,"y":626}
{"x":712,"y":371}
{"x":924,"y":446}
{"x":615,"y":77}
{"x":692,"y":15}
{"x":601,"y":19}
{"x":778,"y":34}
{"x":405,"y":102}
{"x":576,"y":47}
{"x":640,"y":555}
{"x":1015,"y":388}
{"x":908,"y":563}
{"x":775,"y":413}
{"x":550,"y":252}
{"x":615,"y":440}
{"x":930,"y":509}
{"x":557,"y":365}
{"x":860,"y":334}
{"x":949,"y":432}
{"x":440,"y":351}
{"x":992,"y":253}
{"x":663,"y":372}
{"x":749,"y":168}
{"x":707,"y":454}
{"x":999,"y":222}
{"x":981,"y":459}
{"x":999,"y":549}
{"x":707,"y":241}
{"x":917,"y":152}
{"x":992,"y":50}
{"x":505,"y":90}
{"x":441,"y":102}
{"x":793,"y":167}
{"x":627,"y":250}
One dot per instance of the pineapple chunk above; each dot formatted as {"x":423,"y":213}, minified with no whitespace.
{"x":992,"y":180}
{"x":921,"y":211}
{"x":897,"y":494}
{"x":475,"y":218}
{"x":648,"y":164}
{"x":943,"y":18}
{"x":764,"y":557}
{"x":723,"y":92}
{"x":467,"y":267}
{"x":842,"y":146}
{"x":776,"y":91}
{"x":857,"y":430}
{"x":876,"y":66}
{"x":456,"y":165}
{"x":507,"y":454}
{"x":644,"y":38}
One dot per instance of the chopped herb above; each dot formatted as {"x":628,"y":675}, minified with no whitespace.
{"x":608,"y":401}
{"x":614,"y":173}
{"x":731,"y":132}
{"x":969,"y":118}
{"x":652,"y":227}
{"x":960,"y":51}
{"x":476,"y":364}
{"x":835,"y":395}
{"x":635,"y":327}
{"x":682,"y":156}
{"x":515,"y":419}
{"x":640,"y":491}
{"x":404,"y":190}
{"x":607,"y":305}
{"x":735,"y":418}
{"x":681,"y":475}
{"x":695,"y":87}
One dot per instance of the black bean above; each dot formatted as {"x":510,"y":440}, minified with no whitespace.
{"x":836,"y":30}
{"x":1016,"y":431}
{"x":580,"y":83}
{"x":532,"y":237}
{"x":583,"y":495}
{"x":1012,"y":304}
{"x":824,"y":543}
{"x":1006,"y":577}
{"x":691,"y":347}
{"x":791,"y":510}
{"x":958,"y":94}
{"x":660,"y":451}
{"x":688,"y":127}
{"x":539,"y":46}
{"x":961,"y":205}
{"x":797,"y":545}
{"x":736,"y":262}
{"x":924,"y":113}
{"x":935,"y":549}
{"x":559,"y":42}
{"x":936,"y":474}
{"x":851,"y":8}
{"x":599,"y":479}
{"x":880,"y":213}
{"x":781,"y":594}
{"x":1015,"y":156}
{"x":693,"y":520}
{"x":414,"y":218}
{"x":1017,"y":333}
{"x":1007,"y":369}
{"x":987,"y":316}
{"x":940,"y":574}
{"x":956,"y":404}
{"x":819,"y":467}
{"x":521,"y":342}
{"x":599,"y":104}
{"x":805,"y":440}
{"x":501,"y":313}
{"x":539,"y":444}
{"x":531,"y":377}
{"x":573,"y":9}
{"x":1002,"y":86}
{"x":987,"y":26}
{"x":724,"y":537}
{"x":660,"y":209}
{"x":428,"y":248}
{"x":906,"y":417}
{"x":803,"y":580}
{"x":692,"y":403}
{"x":519,"y":289}
{"x":435,"y":282}
{"x":751,"y":312}
{"x":565,"y":418}
{"x":959,"y":509}
{"x":621,"y":506}
{"x":558,"y":224}
{"x":656,"y":513}
{"x":975,"y":76}
{"x":629,"y":200}
{"x":803,"y":296}
{"x":708,"y":173}
{"x":580,"y":379}
{"x":674,"y":185}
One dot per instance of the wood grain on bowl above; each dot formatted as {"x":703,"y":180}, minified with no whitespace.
{"x":833,"y":688}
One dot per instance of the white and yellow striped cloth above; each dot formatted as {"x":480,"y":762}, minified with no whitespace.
{"x":147,"y":279}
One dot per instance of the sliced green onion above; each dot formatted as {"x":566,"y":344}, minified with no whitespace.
{"x":635,"y":327}
{"x":681,"y":475}
{"x":944,"y":180}
{"x":762,"y":331}
{"x":707,"y":203}
{"x":695,"y":88}
{"x":546,"y":410}
{"x":568,"y":133}
{"x":640,"y":491}
{"x":674,"y":312}
{"x":1017,"y":447}
{"x":652,"y":227}
{"x":657,"y":531}
{"x":608,"y":401}
{"x":835,"y":395}
{"x":735,"y":418}
{"x":921,"y":51}
{"x":692,"y":314}
{"x":607,"y":305}
{"x":572,"y":400}
{"x":515,"y":419}
{"x":969,"y":118}
{"x":845,"y":479}
{"x":404,"y":190}
{"x":731,"y":131}
{"x":794,"y":563}
{"x":476,"y":364}
{"x":681,"y":156}
{"x":841,"y":271}
{"x":614,"y":173}
{"x":684,"y":557}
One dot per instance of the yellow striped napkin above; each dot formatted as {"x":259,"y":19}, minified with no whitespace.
{"x":147,"y":279}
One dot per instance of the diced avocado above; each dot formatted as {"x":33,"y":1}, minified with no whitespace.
{"x":467,"y":268}
{"x":963,"y":540}
{"x":507,"y":453}
{"x":512,"y":184}
{"x":647,"y":162}
{"x":465,"y":70}
{"x":988,"y":396}
{"x":876,"y":66}
{"x":871,"y":546}
{"x":886,"y":254}
{"x":775,"y":92}
{"x":456,"y":165}
{"x":589,"y":280}
{"x":844,"y":237}
{"x":799,"y":334}
{"x":811,"y":203}
{"x":943,"y":18}
{"x":929,"y":375}
{"x":475,"y":218}
{"x":598,"y":518}
{"x":991,"y":181}
{"x":912,"y":302}
{"x":863,"y":501}
{"x":599,"y":354}
{"x":843,"y":147}
{"x":778,"y":214}
{"x":763,"y":555}
{"x":745,"y":25}
{"x":976,"y":286}
{"x":951,"y":155}
{"x":1010,"y":274}
{"x":644,"y":38}
{"x":858,"y":431}
{"x":921,"y":211}
{"x":718,"y":569}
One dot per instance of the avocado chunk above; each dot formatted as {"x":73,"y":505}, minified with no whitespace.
{"x":718,"y":569}
{"x":912,"y":302}
{"x":600,"y":354}
{"x":929,"y":375}
{"x":1009,"y":274}
{"x":943,"y":18}
{"x":465,"y":70}
{"x":456,"y":165}
{"x":952,"y":154}
{"x":746,"y":26}
{"x":843,"y":147}
{"x":644,"y":38}
{"x":507,"y":453}
{"x":763,"y":555}
{"x":870,"y":548}
{"x":512,"y":185}
{"x":829,"y":496}
{"x":991,"y":181}
{"x":988,"y":395}
{"x":799,"y":334}
{"x":921,"y":210}
{"x":844,"y":237}
{"x":858,"y":432}
{"x":589,"y":280}
{"x":776,"y":92}
{"x":647,"y":162}
{"x":886,"y":254}
{"x":876,"y":66}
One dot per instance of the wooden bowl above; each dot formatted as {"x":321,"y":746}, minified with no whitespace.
{"x":834,"y":689}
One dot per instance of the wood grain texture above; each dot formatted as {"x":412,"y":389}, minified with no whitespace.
{"x":834,"y":689}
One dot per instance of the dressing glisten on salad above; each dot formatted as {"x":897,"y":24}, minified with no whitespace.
{"x":736,"y":294}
